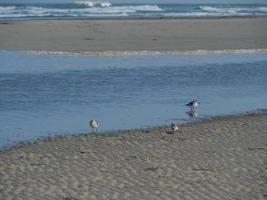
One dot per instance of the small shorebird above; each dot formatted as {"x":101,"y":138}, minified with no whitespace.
{"x":193,"y":104}
{"x":175,"y":127}
{"x":94,"y":125}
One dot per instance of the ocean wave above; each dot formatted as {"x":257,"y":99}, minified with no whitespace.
{"x":124,"y":9}
{"x":32,"y":11}
{"x":204,"y":14}
{"x":7,"y":8}
{"x":93,"y":3}
{"x":262,"y":9}
{"x":233,"y":10}
{"x":112,"y":11}
{"x":104,"y":9}
{"x":62,"y":16}
{"x":222,"y":10}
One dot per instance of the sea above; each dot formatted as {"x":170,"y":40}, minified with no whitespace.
{"x":102,"y":9}
{"x":45,"y":95}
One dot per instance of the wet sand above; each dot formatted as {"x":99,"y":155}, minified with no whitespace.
{"x":134,"y":35}
{"x":222,"y":158}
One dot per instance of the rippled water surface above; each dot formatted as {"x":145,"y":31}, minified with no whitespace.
{"x":43,"y":95}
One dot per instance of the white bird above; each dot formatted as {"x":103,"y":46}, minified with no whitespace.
{"x":94,"y":125}
{"x":193,"y":104}
{"x":175,"y":127}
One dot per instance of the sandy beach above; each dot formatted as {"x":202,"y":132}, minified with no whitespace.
{"x":222,"y":158}
{"x":134,"y":35}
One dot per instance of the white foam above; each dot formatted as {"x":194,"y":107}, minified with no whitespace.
{"x":85,"y":3}
{"x":105,"y":4}
{"x":140,"y":53}
{"x":262,"y":9}
{"x":233,"y":10}
{"x":103,"y":11}
{"x":204,"y":14}
{"x":225,"y":10}
{"x":93,"y":3}
{"x":121,"y":9}
{"x":5,"y":8}
{"x":212,"y":9}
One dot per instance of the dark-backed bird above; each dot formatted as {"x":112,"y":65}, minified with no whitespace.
{"x":94,"y":125}
{"x":193,"y":104}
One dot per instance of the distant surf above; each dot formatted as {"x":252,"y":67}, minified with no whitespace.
{"x":144,"y":53}
{"x":105,"y":9}
{"x":93,"y":4}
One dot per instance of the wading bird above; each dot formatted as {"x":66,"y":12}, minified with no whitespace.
{"x":193,"y":104}
{"x":94,"y":125}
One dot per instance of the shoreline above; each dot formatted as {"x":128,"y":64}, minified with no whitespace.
{"x":111,"y":133}
{"x":7,"y":20}
{"x":223,"y":158}
{"x":147,"y":129}
{"x":159,"y":35}
{"x":139,"y":53}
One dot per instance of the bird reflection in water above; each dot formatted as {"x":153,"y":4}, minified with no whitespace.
{"x":192,"y":114}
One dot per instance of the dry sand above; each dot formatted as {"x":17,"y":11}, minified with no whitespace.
{"x":134,"y":35}
{"x":218,"y":159}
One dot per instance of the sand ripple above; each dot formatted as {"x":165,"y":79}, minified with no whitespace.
{"x":216,"y":159}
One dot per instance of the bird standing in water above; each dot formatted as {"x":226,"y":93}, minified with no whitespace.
{"x":94,"y":125}
{"x":193,"y":104}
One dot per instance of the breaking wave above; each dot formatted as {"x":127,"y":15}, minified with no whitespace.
{"x":262,"y":9}
{"x":233,"y":10}
{"x":93,"y":3}
{"x":104,"y":9}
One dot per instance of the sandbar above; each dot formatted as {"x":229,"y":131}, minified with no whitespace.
{"x":222,"y":158}
{"x":134,"y":34}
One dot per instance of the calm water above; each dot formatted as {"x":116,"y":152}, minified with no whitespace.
{"x":102,"y":9}
{"x":43,"y":95}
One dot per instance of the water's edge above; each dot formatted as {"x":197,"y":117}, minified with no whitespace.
{"x":135,"y":88}
{"x":163,"y":127}
{"x":139,"y":53}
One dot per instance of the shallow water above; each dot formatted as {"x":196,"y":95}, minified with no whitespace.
{"x":42,"y":95}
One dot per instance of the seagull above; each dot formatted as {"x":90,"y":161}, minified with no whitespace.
{"x":175,"y":127}
{"x":94,"y":125}
{"x":193,"y":104}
